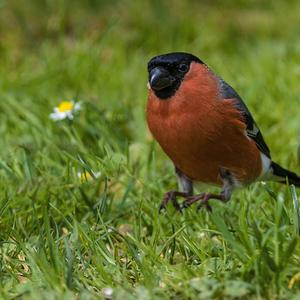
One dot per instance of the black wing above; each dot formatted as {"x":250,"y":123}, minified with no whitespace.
{"x":253,"y":131}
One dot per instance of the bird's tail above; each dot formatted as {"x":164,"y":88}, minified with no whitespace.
{"x":283,"y":173}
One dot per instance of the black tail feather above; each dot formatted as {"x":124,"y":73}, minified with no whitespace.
{"x":279,"y":171}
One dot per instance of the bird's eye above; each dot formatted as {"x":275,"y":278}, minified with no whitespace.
{"x":183,"y":67}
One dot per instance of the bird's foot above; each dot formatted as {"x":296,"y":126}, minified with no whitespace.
{"x":203,"y":198}
{"x":171,"y":196}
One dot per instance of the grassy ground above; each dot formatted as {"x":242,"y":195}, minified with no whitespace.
{"x":62,"y":237}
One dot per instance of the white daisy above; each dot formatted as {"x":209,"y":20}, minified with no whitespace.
{"x":65,"y":110}
{"x":107,"y":292}
{"x":86,"y":176}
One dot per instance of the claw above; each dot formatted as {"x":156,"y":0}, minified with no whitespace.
{"x":161,"y":208}
{"x":171,"y":196}
{"x":176,"y":205}
{"x":206,"y":205}
{"x":184,"y":205}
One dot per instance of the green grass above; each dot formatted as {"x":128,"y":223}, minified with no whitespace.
{"x":61,"y":238}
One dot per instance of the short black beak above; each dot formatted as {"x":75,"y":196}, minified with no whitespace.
{"x":160,"y":78}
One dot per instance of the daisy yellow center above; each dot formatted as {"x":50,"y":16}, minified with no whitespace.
{"x":65,"y":106}
{"x":85,"y":176}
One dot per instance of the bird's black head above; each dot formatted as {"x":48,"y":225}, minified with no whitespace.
{"x":167,"y":71}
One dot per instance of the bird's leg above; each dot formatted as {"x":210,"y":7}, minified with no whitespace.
{"x":186,"y":185}
{"x":224,"y":196}
{"x":192,"y":199}
{"x":207,"y":197}
{"x":171,"y":196}
{"x":203,"y":198}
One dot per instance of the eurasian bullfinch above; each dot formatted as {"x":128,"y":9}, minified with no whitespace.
{"x":206,"y":129}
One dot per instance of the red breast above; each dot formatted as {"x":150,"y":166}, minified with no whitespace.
{"x":202,"y":132}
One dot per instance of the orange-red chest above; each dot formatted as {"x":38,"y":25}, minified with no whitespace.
{"x":201,"y":132}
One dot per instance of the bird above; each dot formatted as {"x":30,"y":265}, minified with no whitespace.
{"x":207,"y":131}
